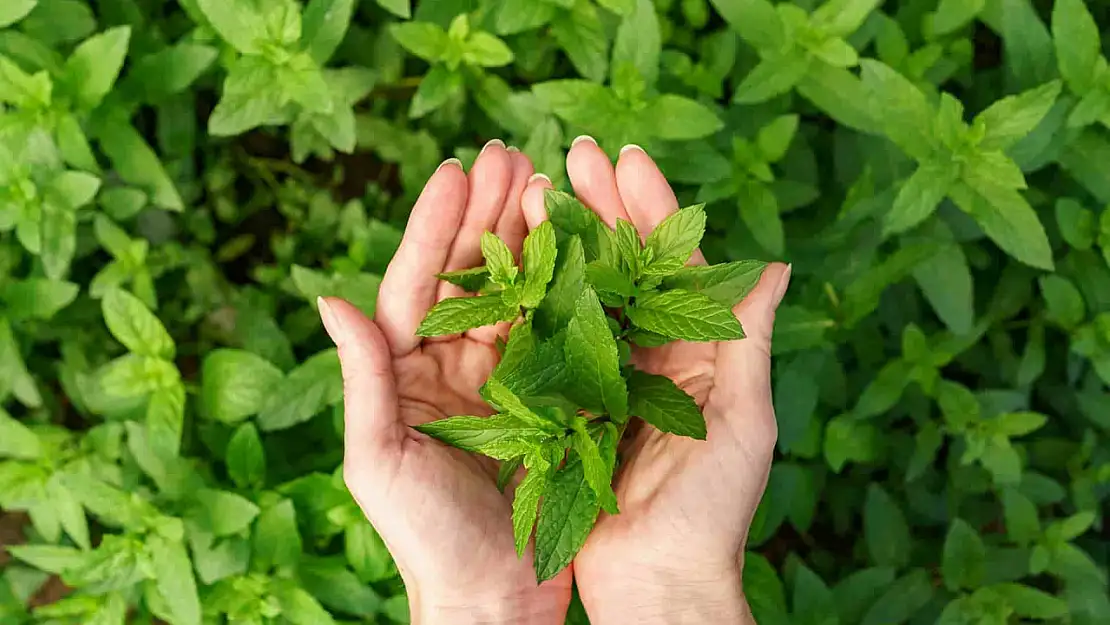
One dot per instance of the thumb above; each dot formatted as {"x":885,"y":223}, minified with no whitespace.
{"x":369,"y":394}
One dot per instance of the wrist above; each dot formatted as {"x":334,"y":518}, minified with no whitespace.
{"x":525,"y":608}
{"x":651,"y":597}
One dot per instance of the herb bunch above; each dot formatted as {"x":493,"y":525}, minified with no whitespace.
{"x":566,"y":385}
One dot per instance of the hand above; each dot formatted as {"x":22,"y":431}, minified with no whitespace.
{"x":438,"y":509}
{"x":675,"y":552}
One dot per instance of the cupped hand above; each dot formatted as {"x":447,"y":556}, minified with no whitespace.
{"x":438,"y":509}
{"x":675,"y":551}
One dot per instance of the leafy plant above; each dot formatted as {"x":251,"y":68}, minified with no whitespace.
{"x":565,"y":389}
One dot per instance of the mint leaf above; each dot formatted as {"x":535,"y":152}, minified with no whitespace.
{"x":526,"y":498}
{"x":612,"y":285}
{"x":36,"y":298}
{"x":920,"y":195}
{"x":685,"y":315}
{"x":657,"y":400}
{"x":674,"y":240}
{"x":1012,"y":118}
{"x":499,"y":259}
{"x":885,"y":529}
{"x":241,"y":24}
{"x":556,"y":310}
{"x":505,"y":400}
{"x":1030,"y":602}
{"x":542,"y":369}
{"x":325,"y":23}
{"x":14,"y":11}
{"x":843,"y":17}
{"x":539,"y":255}
{"x":424,"y":40}
{"x":1078,"y":46}
{"x":506,"y":472}
{"x":470,"y":280}
{"x":597,"y":470}
{"x":235,"y":384}
{"x":774,"y":138}
{"x":676,"y":118}
{"x":727,"y":284}
{"x":308,"y":389}
{"x":627,"y":242}
{"x":459,"y":314}
{"x":901,"y":109}
{"x":1008,"y":220}
{"x":638,"y":41}
{"x":173,"y":576}
{"x":592,"y":359}
{"x":276,"y":541}
{"x":775,"y":75}
{"x":581,"y":34}
{"x":963,"y":562}
{"x":502,"y":436}
{"x":129,"y":320}
{"x":245,"y":457}
{"x":16,"y":439}
{"x":485,"y":50}
{"x":93,"y":67}
{"x":567,"y":515}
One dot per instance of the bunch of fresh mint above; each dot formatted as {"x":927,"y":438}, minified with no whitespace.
{"x":565,"y":387}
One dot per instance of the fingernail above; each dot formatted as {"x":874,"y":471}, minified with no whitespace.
{"x":784,"y":282}
{"x":512,"y":148}
{"x":328,"y":317}
{"x":538,"y":176}
{"x":492,"y":142}
{"x":631,"y":147}
{"x":451,"y":161}
{"x":582,"y":139}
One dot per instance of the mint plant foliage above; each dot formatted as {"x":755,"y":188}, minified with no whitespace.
{"x":565,"y":389}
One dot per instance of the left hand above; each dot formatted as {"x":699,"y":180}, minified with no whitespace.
{"x":437,"y":508}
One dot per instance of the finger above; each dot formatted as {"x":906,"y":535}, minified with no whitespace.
{"x":747,"y":362}
{"x":409,"y":286}
{"x":531,"y":202}
{"x":644,"y":190}
{"x":594,"y":182}
{"x":371,"y":423}
{"x":488,"y":187}
{"x":511,"y":229}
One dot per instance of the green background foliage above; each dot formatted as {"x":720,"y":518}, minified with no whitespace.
{"x":179,"y":181}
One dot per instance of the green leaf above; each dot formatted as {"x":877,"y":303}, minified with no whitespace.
{"x":611,"y":285}
{"x":774,"y":138}
{"x":756,"y":21}
{"x":1076,"y":223}
{"x":638,"y":42}
{"x":885,"y":529}
{"x":71,"y":190}
{"x":1078,"y":48}
{"x":952,"y":15}
{"x":436,"y":89}
{"x":245,"y":458}
{"x":598,"y":473}
{"x":250,"y":98}
{"x":499,"y":259}
{"x":759,"y":209}
{"x":1012,"y":118}
{"x":300,"y":608}
{"x":963,"y":562}
{"x":567,"y":515}
{"x":677,"y":118}
{"x":540,"y":252}
{"x":1008,"y":220}
{"x":592,"y":359}
{"x":48,"y":558}
{"x":73,"y":145}
{"x":919,"y":196}
{"x":580,"y":33}
{"x":858,"y":591}
{"x":1029,"y":602}
{"x":674,"y":240}
{"x":235,"y":384}
{"x":133,"y":325}
{"x":424,"y":40}
{"x":567,"y":286}
{"x":14,"y":11}
{"x":325,"y":23}
{"x":727,"y":284}
{"x":223,"y":513}
{"x":168,"y":71}
{"x":517,"y":16}
{"x":657,"y":400}
{"x":276,"y":541}
{"x":400,"y":8}
{"x":502,"y":437}
{"x":471,"y":280}
{"x":459,"y":314}
{"x":37,"y":298}
{"x":526,"y":502}
{"x":945,"y":280}
{"x":774,"y":76}
{"x":17,"y":440}
{"x":843,"y":17}
{"x":902,"y":599}
{"x":685,"y":315}
{"x":901,"y":109}
{"x":173,"y":575}
{"x":137,"y":164}
{"x":93,"y":67}
{"x":485,"y":50}
{"x":336,"y":587}
{"x":241,"y":23}
{"x":628,"y":246}
{"x":1020,"y":514}
{"x":367,"y":553}
{"x":306,"y":390}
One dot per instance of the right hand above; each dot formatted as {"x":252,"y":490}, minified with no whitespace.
{"x":675,"y":551}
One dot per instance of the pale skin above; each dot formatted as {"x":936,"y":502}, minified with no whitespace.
{"x":674,"y":553}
